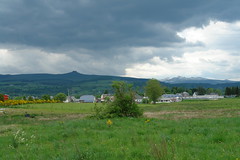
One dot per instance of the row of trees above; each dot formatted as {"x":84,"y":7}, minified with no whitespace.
{"x":59,"y":97}
{"x":232,"y":91}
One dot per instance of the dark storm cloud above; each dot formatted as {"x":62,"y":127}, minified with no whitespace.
{"x":96,"y":34}
{"x":103,"y":24}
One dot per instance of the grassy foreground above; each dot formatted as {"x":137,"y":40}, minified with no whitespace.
{"x":61,"y":131}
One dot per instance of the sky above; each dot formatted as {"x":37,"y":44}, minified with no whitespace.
{"x":144,"y":39}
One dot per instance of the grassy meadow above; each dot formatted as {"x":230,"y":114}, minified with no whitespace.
{"x":188,"y":130}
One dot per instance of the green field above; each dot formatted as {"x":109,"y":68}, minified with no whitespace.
{"x":195,"y":130}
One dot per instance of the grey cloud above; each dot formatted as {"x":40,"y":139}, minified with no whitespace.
{"x":106,"y":30}
{"x":101,"y":24}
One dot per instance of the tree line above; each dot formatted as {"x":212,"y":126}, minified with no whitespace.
{"x":228,"y":91}
{"x":59,"y":97}
{"x":232,"y":91}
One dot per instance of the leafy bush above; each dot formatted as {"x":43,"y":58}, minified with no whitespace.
{"x":99,"y":112}
{"x":60,"y":97}
{"x":123,"y":105}
{"x":1,"y":97}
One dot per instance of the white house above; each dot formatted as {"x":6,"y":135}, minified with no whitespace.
{"x":107,"y":97}
{"x":165,"y":100}
{"x":171,"y":98}
{"x":138,"y":98}
{"x":71,"y":99}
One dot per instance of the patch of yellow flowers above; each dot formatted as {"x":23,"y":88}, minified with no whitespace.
{"x":21,"y":102}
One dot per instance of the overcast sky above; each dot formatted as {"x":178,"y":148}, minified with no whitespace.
{"x":136,"y":38}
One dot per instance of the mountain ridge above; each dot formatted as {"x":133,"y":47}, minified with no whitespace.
{"x":79,"y":84}
{"x":44,"y":83}
{"x":180,"y":79}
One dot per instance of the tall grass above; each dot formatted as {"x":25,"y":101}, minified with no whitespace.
{"x":61,"y":137}
{"x":126,"y":138}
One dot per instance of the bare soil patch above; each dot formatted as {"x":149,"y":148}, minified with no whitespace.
{"x":193,"y":114}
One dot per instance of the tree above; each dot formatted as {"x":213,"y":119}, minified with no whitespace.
{"x":233,"y":90}
{"x":201,"y":91}
{"x":167,"y":90}
{"x":30,"y":98}
{"x":174,"y":90}
{"x":218,"y":91}
{"x":18,"y":98}
{"x":210,"y":90}
{"x":1,"y":97}
{"x":124,"y":102}
{"x":189,"y":91}
{"x":105,"y":92}
{"x":153,"y":90}
{"x":228,"y":91}
{"x":46,"y":97}
{"x":180,"y":89}
{"x":60,"y":97}
{"x":237,"y":91}
{"x":193,"y":90}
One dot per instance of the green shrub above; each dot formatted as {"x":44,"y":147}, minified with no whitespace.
{"x":123,"y":105}
{"x":1,"y":97}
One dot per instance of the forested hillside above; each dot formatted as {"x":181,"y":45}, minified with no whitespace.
{"x":78,"y":84}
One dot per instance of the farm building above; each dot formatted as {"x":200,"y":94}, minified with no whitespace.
{"x":71,"y":99}
{"x":87,"y":99}
{"x":171,"y":98}
{"x":165,"y":100}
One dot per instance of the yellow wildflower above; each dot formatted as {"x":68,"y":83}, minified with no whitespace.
{"x":147,"y":121}
{"x":109,"y":123}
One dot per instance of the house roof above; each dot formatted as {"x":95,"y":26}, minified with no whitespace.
{"x":138,"y":96}
{"x":87,"y":98}
{"x":171,"y":95}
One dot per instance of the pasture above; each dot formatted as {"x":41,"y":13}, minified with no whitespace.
{"x":198,"y":130}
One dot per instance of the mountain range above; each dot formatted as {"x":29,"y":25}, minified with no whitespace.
{"x":179,"y":79}
{"x":79,"y":84}
{"x":76,"y":83}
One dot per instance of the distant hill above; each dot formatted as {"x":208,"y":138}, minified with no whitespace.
{"x":79,"y":84}
{"x":76,"y":83}
{"x":179,"y":80}
{"x":195,"y":82}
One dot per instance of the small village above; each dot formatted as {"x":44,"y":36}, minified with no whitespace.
{"x":165,"y":98}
